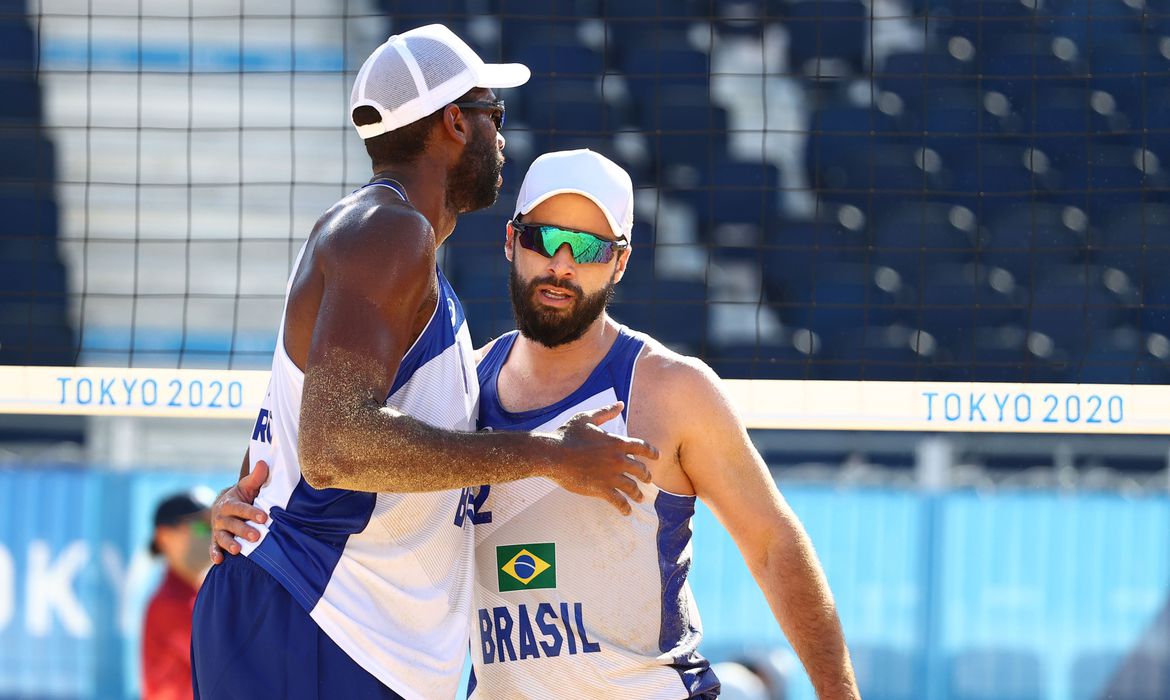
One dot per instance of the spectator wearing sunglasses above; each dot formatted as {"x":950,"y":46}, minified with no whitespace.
{"x":182,"y":534}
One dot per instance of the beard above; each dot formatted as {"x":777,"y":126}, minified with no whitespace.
{"x":475,"y":182}
{"x":554,"y":327}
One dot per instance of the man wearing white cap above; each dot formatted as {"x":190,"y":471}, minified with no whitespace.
{"x":573,"y":601}
{"x":356,"y":581}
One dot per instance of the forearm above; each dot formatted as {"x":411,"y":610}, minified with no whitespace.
{"x":799,"y":595}
{"x":386,"y":451}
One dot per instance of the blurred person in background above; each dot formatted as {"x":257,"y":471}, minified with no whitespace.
{"x":182,"y":532}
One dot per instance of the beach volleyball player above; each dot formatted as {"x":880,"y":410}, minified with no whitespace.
{"x":572,"y":600}
{"x":359,"y":580}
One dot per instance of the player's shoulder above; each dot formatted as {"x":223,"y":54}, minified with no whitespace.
{"x":673,"y":377}
{"x":373,"y":229}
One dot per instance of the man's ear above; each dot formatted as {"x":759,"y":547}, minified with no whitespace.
{"x":455,"y":124}
{"x":623,"y":260}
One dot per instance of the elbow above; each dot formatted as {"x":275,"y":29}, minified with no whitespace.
{"x":317,"y":460}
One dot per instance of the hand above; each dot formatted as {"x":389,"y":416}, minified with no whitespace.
{"x":232,"y":511}
{"x":592,"y":462}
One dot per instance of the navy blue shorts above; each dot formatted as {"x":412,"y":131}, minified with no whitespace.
{"x":250,"y":640}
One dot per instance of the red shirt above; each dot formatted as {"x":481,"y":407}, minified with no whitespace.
{"x":166,"y":641}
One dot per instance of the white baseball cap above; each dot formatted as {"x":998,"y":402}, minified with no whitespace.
{"x":586,"y":173}
{"x":421,"y":71}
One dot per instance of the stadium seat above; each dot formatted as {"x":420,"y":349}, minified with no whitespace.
{"x":1139,"y":676}
{"x":521,"y":20}
{"x":1132,"y":69}
{"x":735,"y":192}
{"x":953,"y":301}
{"x":846,"y":297}
{"x":1076,"y":306}
{"x":823,"y":33}
{"x":1026,"y":238}
{"x":918,"y":75}
{"x":685,"y":128}
{"x":1121,"y":357}
{"x":876,"y":352}
{"x":765,"y":360}
{"x":30,"y":212}
{"x":1020,"y":66}
{"x":1104,"y":176}
{"x":982,"y":22}
{"x":996,"y":674}
{"x":885,"y":673}
{"x":1001,"y":354}
{"x":1155,"y":301}
{"x":673,"y":311}
{"x":916,"y":237}
{"x":17,"y":48}
{"x":1134,"y":238}
{"x":25,"y":156}
{"x":22,"y":100}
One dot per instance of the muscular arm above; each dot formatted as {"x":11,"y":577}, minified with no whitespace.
{"x":378,"y":275}
{"x":731,"y":478}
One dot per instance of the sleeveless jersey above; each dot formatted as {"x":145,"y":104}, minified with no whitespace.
{"x":387,"y":576}
{"x":573,"y":599}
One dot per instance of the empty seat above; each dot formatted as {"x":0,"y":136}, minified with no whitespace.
{"x":1027,"y":238}
{"x":917,"y":237}
{"x":823,"y":33}
{"x":996,"y":674}
{"x":846,"y":297}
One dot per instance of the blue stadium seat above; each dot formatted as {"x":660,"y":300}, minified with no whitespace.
{"x":17,"y":48}
{"x":1105,"y":176}
{"x":555,"y":61}
{"x":1133,"y":70}
{"x":1120,"y":357}
{"x":982,"y":22}
{"x":1001,"y":354}
{"x":845,"y":297}
{"x":917,"y":75}
{"x":916,"y":237}
{"x":885,"y":673}
{"x":26,"y":156}
{"x":1028,"y":238}
{"x":839,"y":128}
{"x":1135,"y":238}
{"x":548,"y":20}
{"x":1093,"y":22}
{"x":954,"y":301}
{"x":685,"y":128}
{"x":1020,"y":66}
{"x":571,"y":106}
{"x":1077,"y":306}
{"x":874,"y":352}
{"x":22,"y":100}
{"x":673,"y":311}
{"x":736,"y":192}
{"x":996,"y":674}
{"x":1000,"y":170}
{"x":1155,"y":296}
{"x":821,"y":30}
{"x":796,"y":251}
{"x":650,"y":71}
{"x":30,"y":212}
{"x":766,"y":360}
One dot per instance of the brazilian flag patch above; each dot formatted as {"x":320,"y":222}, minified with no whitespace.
{"x":526,"y":567}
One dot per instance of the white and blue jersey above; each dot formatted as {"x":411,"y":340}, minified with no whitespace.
{"x":573,"y":599}
{"x":386,"y":576}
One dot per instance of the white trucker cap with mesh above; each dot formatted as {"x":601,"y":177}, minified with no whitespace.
{"x":421,"y":71}
{"x":586,"y":173}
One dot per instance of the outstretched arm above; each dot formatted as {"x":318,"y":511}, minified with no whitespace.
{"x":731,"y":478}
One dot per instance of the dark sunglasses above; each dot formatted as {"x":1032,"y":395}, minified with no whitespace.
{"x":496,"y":107}
{"x":547,"y":240}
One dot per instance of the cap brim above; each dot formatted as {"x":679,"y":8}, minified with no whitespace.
{"x":503,"y":75}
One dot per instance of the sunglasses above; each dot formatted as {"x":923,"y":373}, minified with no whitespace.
{"x":496,"y":107}
{"x":547,"y":240}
